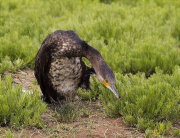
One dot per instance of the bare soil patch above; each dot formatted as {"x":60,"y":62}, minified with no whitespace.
{"x":95,"y":124}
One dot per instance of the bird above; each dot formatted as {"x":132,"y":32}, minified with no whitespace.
{"x":59,"y":68}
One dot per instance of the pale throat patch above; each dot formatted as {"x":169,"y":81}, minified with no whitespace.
{"x":100,"y":78}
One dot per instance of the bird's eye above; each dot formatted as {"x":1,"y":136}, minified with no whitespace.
{"x":107,"y":81}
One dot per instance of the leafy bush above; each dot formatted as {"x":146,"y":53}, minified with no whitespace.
{"x":9,"y":134}
{"x":145,"y":101}
{"x":94,"y":92}
{"x":131,"y":36}
{"x":19,"y":108}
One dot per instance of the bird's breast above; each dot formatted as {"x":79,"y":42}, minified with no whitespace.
{"x":65,"y":75}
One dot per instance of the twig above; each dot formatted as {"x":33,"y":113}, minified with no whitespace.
{"x":115,"y":120}
{"x":129,"y":128}
{"x":21,"y":133}
{"x":70,"y":129}
{"x":108,"y":123}
{"x":34,"y":133}
{"x":105,"y":133}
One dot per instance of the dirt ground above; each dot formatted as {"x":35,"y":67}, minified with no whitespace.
{"x":96,"y":124}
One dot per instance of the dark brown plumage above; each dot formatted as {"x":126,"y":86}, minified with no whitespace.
{"x":59,"y":68}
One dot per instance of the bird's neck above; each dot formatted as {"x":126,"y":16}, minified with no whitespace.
{"x":95,"y":58}
{"x":93,"y":55}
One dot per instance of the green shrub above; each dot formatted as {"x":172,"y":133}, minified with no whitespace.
{"x":9,"y":134}
{"x":145,"y":101}
{"x":18,"y":108}
{"x":132,"y":36}
{"x":162,"y":128}
{"x":176,"y":133}
{"x":94,"y":92}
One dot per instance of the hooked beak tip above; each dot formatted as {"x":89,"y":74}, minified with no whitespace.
{"x":113,"y":89}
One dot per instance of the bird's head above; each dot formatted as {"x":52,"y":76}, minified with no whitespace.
{"x":102,"y":70}
{"x":111,"y":86}
{"x":107,"y":78}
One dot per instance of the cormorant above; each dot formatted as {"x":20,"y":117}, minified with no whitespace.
{"x":59,"y":68}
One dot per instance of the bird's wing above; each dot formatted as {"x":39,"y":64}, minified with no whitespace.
{"x":42,"y":61}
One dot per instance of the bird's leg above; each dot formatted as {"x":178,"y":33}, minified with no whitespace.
{"x":59,"y":102}
{"x":90,"y":71}
{"x":86,"y":83}
{"x":45,"y":99}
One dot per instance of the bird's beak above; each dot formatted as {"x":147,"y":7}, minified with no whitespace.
{"x":113,"y":89}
